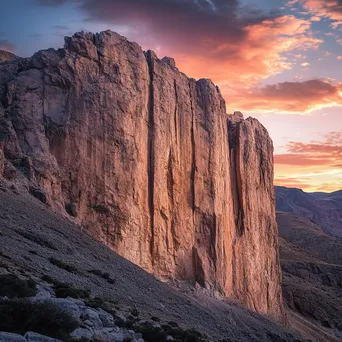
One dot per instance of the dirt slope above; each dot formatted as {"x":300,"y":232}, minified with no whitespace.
{"x":30,"y":233}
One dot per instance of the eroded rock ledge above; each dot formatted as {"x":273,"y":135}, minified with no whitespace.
{"x":148,"y":161}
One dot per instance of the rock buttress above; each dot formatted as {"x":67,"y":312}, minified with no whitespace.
{"x":148,"y":161}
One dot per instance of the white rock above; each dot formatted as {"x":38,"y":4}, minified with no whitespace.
{"x":63,"y":303}
{"x":82,"y":333}
{"x":34,"y":337}
{"x":44,"y":292}
{"x":92,"y":316}
{"x":78,"y":302}
{"x":9,"y":337}
{"x":106,"y":318}
{"x":120,"y":316}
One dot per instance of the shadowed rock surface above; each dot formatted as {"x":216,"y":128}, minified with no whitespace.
{"x":32,"y":236}
{"x":7,"y":56}
{"x":312,"y":277}
{"x":325,"y":209}
{"x":148,"y":161}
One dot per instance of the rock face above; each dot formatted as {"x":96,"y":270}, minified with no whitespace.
{"x":7,"y":56}
{"x":148,"y":161}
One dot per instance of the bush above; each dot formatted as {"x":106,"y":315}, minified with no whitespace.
{"x":34,"y":237}
{"x":47,"y":278}
{"x":46,"y":318}
{"x":95,"y":302}
{"x":190,"y":335}
{"x":13,"y":287}
{"x":64,"y":290}
{"x":104,"y":275}
{"x":151,"y":334}
{"x":62,"y":265}
{"x":135,"y":312}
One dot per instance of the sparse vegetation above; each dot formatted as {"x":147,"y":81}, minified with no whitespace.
{"x":151,"y":334}
{"x":179,"y":334}
{"x":62,"y":265}
{"x":39,"y":194}
{"x":64,"y":290}
{"x":47,"y":278}
{"x":95,"y":302}
{"x":103,"y":275}
{"x":34,"y":237}
{"x":13,"y":287}
{"x":135,"y":312}
{"x":47,"y":318}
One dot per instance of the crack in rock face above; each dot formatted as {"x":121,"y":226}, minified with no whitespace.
{"x":148,"y":161}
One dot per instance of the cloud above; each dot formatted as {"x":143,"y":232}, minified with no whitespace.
{"x":292,"y":183}
{"x":216,"y":39}
{"x":6,"y":45}
{"x":331,"y":9}
{"x":314,"y":165}
{"x":235,"y":46}
{"x":295,"y":97}
{"x":314,"y":153}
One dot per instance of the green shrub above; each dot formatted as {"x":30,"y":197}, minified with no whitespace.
{"x":151,"y":334}
{"x":13,"y":287}
{"x":64,"y":290}
{"x":62,"y":265}
{"x":46,"y":318}
{"x":135,"y":312}
{"x":95,"y":302}
{"x":104,"y":275}
{"x":34,"y":237}
{"x":47,"y":278}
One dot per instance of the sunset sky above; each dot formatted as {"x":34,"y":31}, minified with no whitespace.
{"x":278,"y":61}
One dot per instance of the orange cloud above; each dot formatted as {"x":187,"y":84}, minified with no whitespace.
{"x":259,"y":55}
{"x":331,"y":9}
{"x":292,"y":183}
{"x":303,"y":159}
{"x":298,"y":97}
{"x":214,"y":39}
{"x":315,"y":165}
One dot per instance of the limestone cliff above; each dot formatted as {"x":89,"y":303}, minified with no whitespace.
{"x":148,"y":161}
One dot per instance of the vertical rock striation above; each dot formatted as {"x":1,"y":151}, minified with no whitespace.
{"x":148,"y":161}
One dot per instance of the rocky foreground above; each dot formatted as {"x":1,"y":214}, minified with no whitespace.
{"x":148,"y":161}
{"x":91,"y":291}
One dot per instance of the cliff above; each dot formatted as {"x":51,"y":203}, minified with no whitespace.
{"x":148,"y":161}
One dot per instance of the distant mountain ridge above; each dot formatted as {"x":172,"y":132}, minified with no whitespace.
{"x":323,"y":208}
{"x":7,"y":56}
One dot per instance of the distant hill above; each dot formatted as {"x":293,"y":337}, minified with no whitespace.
{"x":311,"y":262}
{"x":6,"y":56}
{"x":325,"y":209}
